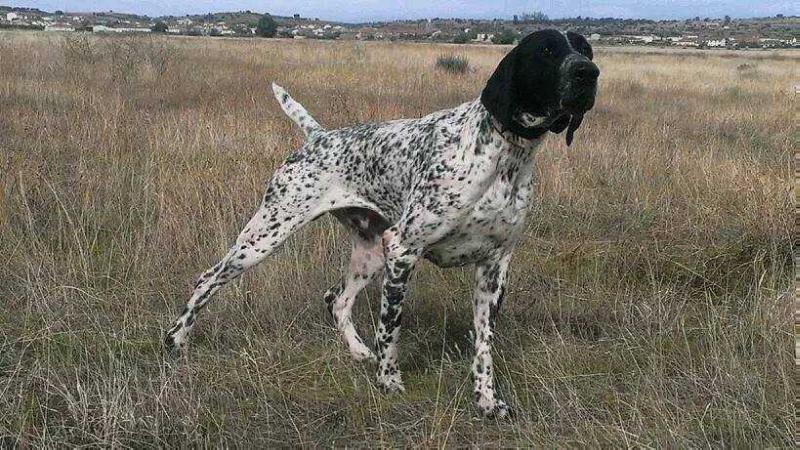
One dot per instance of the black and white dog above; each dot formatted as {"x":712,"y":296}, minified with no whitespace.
{"x":453,"y":187}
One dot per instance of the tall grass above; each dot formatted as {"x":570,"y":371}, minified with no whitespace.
{"x":650,"y":301}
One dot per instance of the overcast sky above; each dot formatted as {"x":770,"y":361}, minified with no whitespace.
{"x":366,"y":10}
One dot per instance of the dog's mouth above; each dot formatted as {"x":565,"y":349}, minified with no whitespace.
{"x":554,"y":121}
{"x":567,"y":116}
{"x":578,"y":99}
{"x":573,"y":107}
{"x":569,"y":120}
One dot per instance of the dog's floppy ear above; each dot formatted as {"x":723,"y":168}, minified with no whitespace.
{"x":497,"y":96}
{"x":580,"y":44}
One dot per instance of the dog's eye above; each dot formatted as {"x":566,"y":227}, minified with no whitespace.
{"x":547,"y":52}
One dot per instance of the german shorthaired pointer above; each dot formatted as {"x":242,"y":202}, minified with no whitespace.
{"x":453,"y":187}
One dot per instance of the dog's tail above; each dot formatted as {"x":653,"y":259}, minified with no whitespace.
{"x":295,"y":111}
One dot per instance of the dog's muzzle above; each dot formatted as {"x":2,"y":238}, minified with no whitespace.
{"x":579,"y":78}
{"x":580,"y":87}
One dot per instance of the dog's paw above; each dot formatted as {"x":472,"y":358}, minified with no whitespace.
{"x":174,"y":348}
{"x":496,"y":409}
{"x":391,"y":384}
{"x":363,"y":354}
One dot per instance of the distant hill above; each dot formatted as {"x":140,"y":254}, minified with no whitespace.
{"x":698,"y":32}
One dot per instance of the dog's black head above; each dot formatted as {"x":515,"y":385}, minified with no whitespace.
{"x":546,"y":83}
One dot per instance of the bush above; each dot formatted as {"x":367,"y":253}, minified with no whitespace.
{"x":159,"y":27}
{"x":78,"y":49}
{"x":748,"y":71}
{"x":505,"y":37}
{"x":461,"y":38}
{"x":453,"y":64}
{"x":125,"y":57}
{"x":159,"y":54}
{"x":266,"y":26}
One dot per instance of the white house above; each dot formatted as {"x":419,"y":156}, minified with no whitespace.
{"x":12,"y":17}
{"x":483,"y":37}
{"x":58,"y":27}
{"x":717,"y":43}
{"x":647,"y":39}
{"x":105,"y":29}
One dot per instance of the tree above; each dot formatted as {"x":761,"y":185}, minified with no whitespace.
{"x":536,"y":17}
{"x":727,"y":20}
{"x":159,"y":27}
{"x":539,"y":16}
{"x":266,"y":26}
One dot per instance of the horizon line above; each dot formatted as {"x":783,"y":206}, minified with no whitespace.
{"x":551,"y":19}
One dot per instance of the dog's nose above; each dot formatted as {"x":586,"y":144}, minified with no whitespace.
{"x":584,"y":71}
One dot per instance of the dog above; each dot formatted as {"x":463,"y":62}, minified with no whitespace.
{"x":452,"y":187}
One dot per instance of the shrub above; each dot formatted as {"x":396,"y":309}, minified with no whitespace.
{"x":748,"y":71}
{"x":266,"y":26}
{"x":125,"y":58}
{"x":78,"y":49}
{"x":505,"y":37}
{"x":461,"y":38}
{"x":359,"y":52}
{"x":159,"y":53}
{"x":159,"y":27}
{"x":453,"y":64}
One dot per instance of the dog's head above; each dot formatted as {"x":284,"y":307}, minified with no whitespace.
{"x":546,"y":83}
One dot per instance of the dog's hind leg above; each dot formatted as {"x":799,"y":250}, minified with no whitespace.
{"x":365,"y":262}
{"x":288,"y":205}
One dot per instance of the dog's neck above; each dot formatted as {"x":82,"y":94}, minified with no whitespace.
{"x":509,"y":136}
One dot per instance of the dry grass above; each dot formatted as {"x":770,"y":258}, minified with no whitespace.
{"x":649,"y":304}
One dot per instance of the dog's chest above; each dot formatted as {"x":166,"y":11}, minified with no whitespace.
{"x":494,"y":223}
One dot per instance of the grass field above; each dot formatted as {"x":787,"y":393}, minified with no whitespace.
{"x":650,"y":303}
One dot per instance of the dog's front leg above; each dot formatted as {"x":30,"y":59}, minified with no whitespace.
{"x":490,"y":281}
{"x":399,"y":262}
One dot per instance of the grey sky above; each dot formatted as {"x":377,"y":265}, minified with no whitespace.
{"x":364,"y":10}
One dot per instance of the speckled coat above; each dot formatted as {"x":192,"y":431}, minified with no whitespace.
{"x":453,"y":187}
